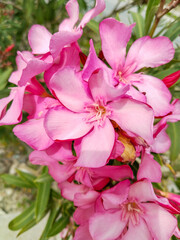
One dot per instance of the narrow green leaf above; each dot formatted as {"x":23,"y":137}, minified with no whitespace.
{"x":139,"y":28}
{"x":173,"y":31}
{"x":15,"y":181}
{"x":43,"y":178}
{"x":23,"y":219}
{"x":55,"y":209}
{"x":28,"y":226}
{"x":4,"y":75}
{"x":27,"y":177}
{"x":174,"y":133}
{"x":59,"y":225}
{"x":150,"y":13}
{"x":42,"y":199}
{"x":94,"y":26}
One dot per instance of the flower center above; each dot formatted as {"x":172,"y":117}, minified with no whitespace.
{"x":97,"y":112}
{"x":131,"y":211}
{"x":121,"y":78}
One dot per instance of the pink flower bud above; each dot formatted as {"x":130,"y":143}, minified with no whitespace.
{"x":171,"y":79}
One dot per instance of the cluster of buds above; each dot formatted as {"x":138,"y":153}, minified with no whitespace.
{"x":89,"y":124}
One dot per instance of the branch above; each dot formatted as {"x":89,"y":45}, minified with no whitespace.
{"x":161,"y":12}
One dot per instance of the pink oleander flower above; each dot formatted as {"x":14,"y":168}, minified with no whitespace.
{"x":95,"y":178}
{"x":144,"y":52}
{"x":131,"y":212}
{"x":89,"y":108}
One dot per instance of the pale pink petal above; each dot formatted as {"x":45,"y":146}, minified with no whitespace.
{"x":62,"y":124}
{"x":33,"y":133}
{"x":160,"y":222}
{"x":116,"y":173}
{"x":98,"y":84}
{"x":92,"y":63}
{"x":61,"y":151}
{"x":34,"y":67}
{"x":61,"y":39}
{"x":177,"y":233}
{"x":113,"y":197}
{"x":149,"y":169}
{"x":96,"y":146}
{"x":107,"y":226}
{"x":72,"y":8}
{"x":83,"y":176}
{"x":160,"y":102}
{"x":82,"y":233}
{"x":85,"y":200}
{"x":59,"y":172}
{"x":114,"y":37}
{"x":16,"y":75}
{"x":137,"y":232}
{"x":70,"y":89}
{"x":39,"y":39}
{"x":135,"y":94}
{"x":14,"y":114}
{"x":148,"y":52}
{"x":134,"y":118}
{"x":162,"y":141}
{"x":99,"y":7}
{"x":142,"y":191}
{"x":69,"y":190}
{"x":82,"y":215}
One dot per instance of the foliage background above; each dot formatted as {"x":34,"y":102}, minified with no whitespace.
{"x":16,"y":18}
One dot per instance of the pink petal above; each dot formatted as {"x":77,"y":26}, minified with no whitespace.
{"x":14,"y":114}
{"x":148,"y":52}
{"x":98,"y":84}
{"x":33,"y":133}
{"x":114,"y":37}
{"x":96,"y":146}
{"x":72,"y":8}
{"x":137,"y":232}
{"x":34,"y":67}
{"x":70,"y":89}
{"x":116,"y":173}
{"x":107,"y":226}
{"x":142,"y":191}
{"x":149,"y":169}
{"x":61,"y":39}
{"x":99,"y":7}
{"x":60,"y":173}
{"x":82,"y":232}
{"x":61,"y":151}
{"x":160,"y":222}
{"x":82,"y":215}
{"x":85,"y":200}
{"x":113,"y":197}
{"x":61,"y":124}
{"x":39,"y":39}
{"x":162,"y":141}
{"x":92,"y":63}
{"x":171,"y":79}
{"x":69,"y":190}
{"x":155,"y":87}
{"x":133,"y":117}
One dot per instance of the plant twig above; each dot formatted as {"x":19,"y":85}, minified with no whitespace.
{"x":11,"y":3}
{"x":161,"y":12}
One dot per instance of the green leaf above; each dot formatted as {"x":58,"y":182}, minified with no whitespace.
{"x":139,"y":28}
{"x":82,"y":4}
{"x":165,"y":72}
{"x":23,"y":219}
{"x":15,"y":181}
{"x":94,"y":26}
{"x":29,"y":225}
{"x":43,"y":178}
{"x":173,"y":131}
{"x":4,"y":75}
{"x":59,"y":225}
{"x":173,"y":31}
{"x":27,"y":177}
{"x":42,"y":199}
{"x":55,"y":209}
{"x":150,"y":13}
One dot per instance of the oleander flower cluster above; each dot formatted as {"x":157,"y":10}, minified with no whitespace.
{"x":91,"y":117}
